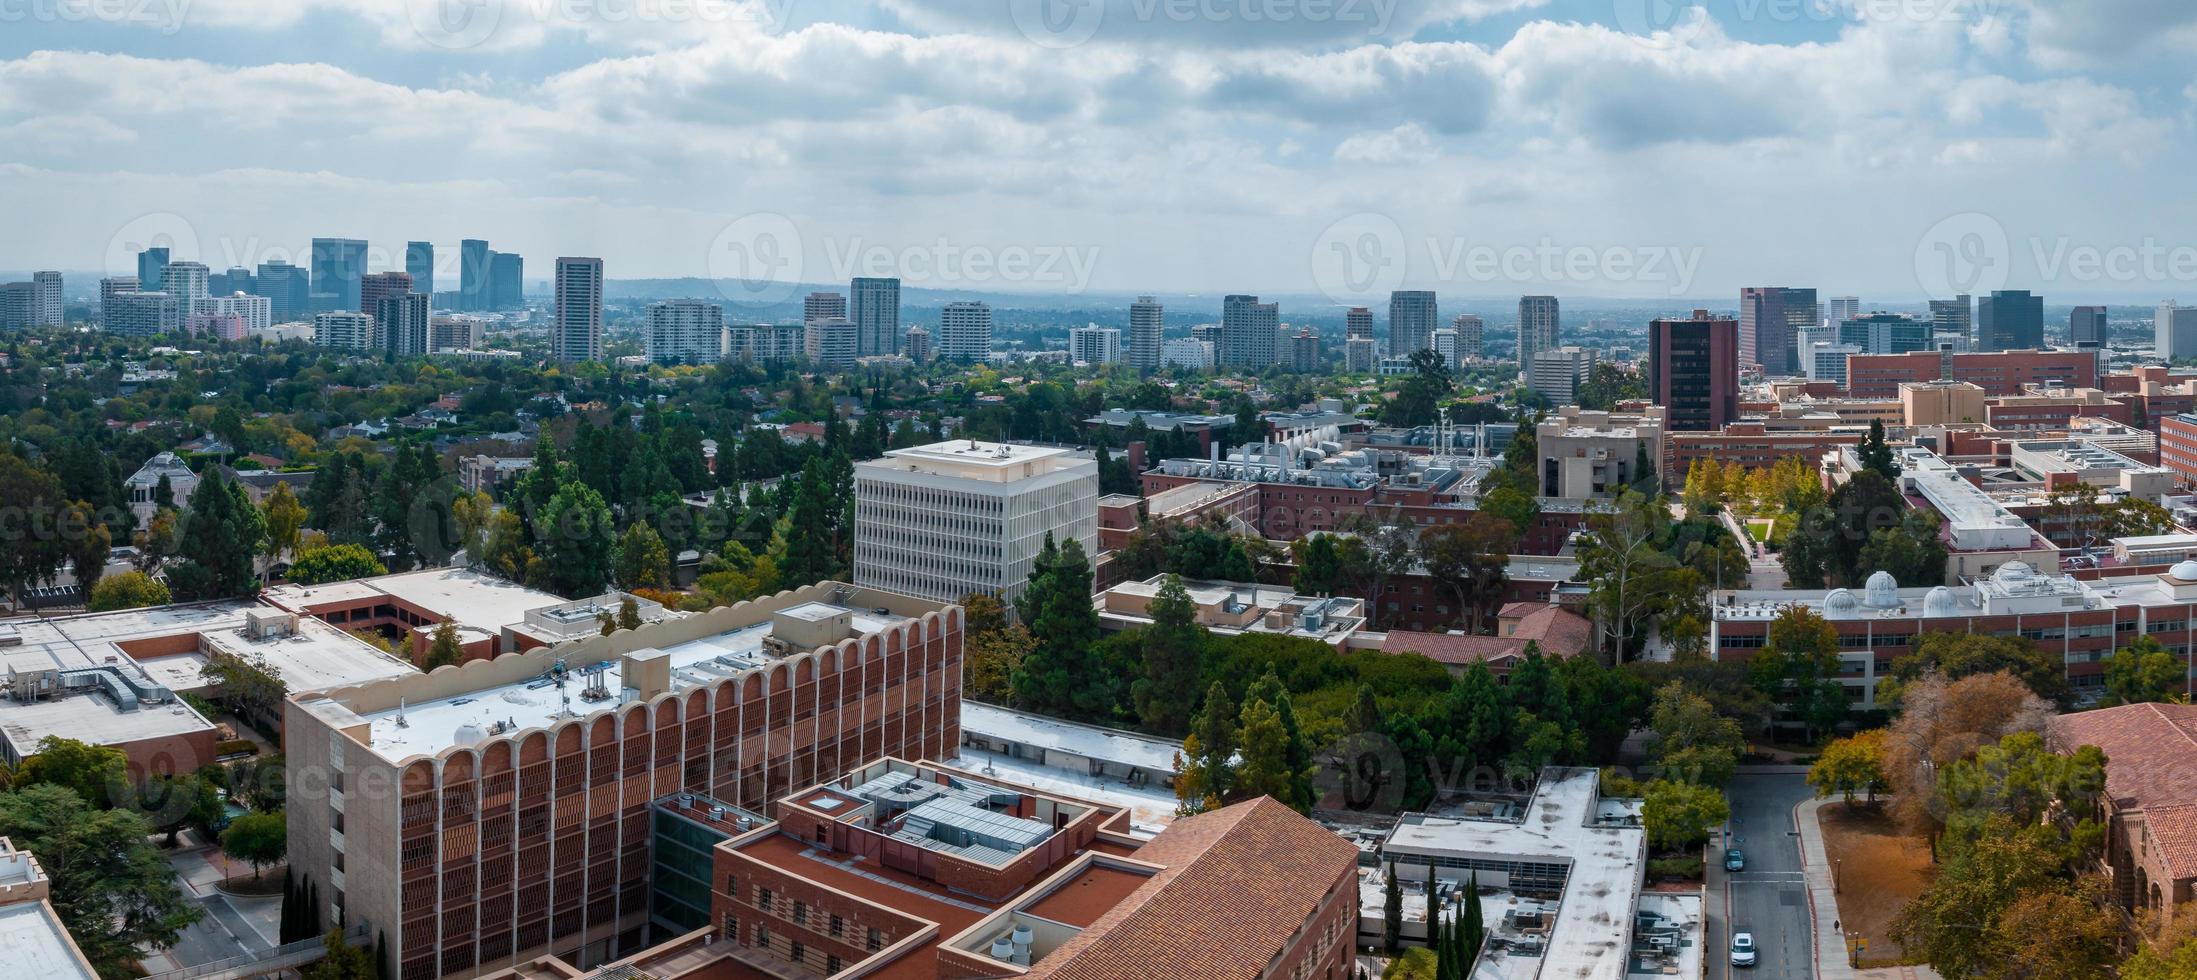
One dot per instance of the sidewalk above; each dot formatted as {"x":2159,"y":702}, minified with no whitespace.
{"x":1831,"y":962}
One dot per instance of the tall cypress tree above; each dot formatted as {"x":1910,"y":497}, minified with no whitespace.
{"x":1392,"y":913}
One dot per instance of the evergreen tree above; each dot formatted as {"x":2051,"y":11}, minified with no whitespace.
{"x":643,"y":559}
{"x":444,"y":650}
{"x":1173,"y":648}
{"x":1475,"y":930}
{"x":1876,"y":454}
{"x":1063,"y":675}
{"x":1297,"y":751}
{"x":575,"y":541}
{"x":1392,"y":913}
{"x":220,"y":539}
{"x":809,"y":550}
{"x":1215,"y":730}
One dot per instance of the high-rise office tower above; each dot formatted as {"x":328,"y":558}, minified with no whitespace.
{"x":1471,"y":336}
{"x":685,"y":331}
{"x":339,"y":265}
{"x":2009,"y":319}
{"x":1249,"y":329}
{"x":1540,"y":326}
{"x":381,"y":285}
{"x":957,"y":517}
{"x":1559,"y":371}
{"x":823,"y":306}
{"x":1361,"y":355}
{"x":134,"y":314}
{"x":1445,"y":346}
{"x":235,"y":279}
{"x":288,"y":288}
{"x":918,"y":345}
{"x":1770,"y":321}
{"x":876,"y":315}
{"x":1094,"y":345}
{"x":1357,"y":322}
{"x":419,"y":263}
{"x":346,"y":330}
{"x":1411,"y":316}
{"x":46,"y":299}
{"x":577,"y":331}
{"x":964,"y":331}
{"x":108,"y":288}
{"x":1147,"y":321}
{"x":454,"y":331}
{"x":187,"y":282}
{"x":402,"y":323}
{"x":1884,"y":333}
{"x":474,"y":274}
{"x":1953,"y":323}
{"x":2176,"y":331}
{"x":256,"y":312}
{"x":1840,"y":309}
{"x":1693,"y":371}
{"x":832,"y":343}
{"x":152,"y":268}
{"x":506,"y":281}
{"x":17,"y":301}
{"x":2086,"y":326}
{"x":1304,"y":350}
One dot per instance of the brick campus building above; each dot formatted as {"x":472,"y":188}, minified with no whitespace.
{"x":487,"y":814}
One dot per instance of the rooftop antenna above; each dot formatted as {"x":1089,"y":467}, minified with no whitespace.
{"x":401,"y":723}
{"x":557,"y":676}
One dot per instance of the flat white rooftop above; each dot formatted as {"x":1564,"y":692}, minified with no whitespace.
{"x":37,"y":947}
{"x":430,"y":726}
{"x":1154,"y":755}
{"x":984,"y":462}
{"x":471,"y":598}
{"x":1565,"y":823}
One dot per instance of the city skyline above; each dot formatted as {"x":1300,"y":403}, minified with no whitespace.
{"x":1471,"y":139}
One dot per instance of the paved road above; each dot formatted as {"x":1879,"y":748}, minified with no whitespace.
{"x":1770,"y":898}
{"x":223,"y":933}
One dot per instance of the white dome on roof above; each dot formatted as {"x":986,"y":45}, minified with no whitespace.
{"x":1882,"y":591}
{"x":1841,"y":601}
{"x":2185,"y":570}
{"x":2014,"y":571}
{"x":1939,"y":602}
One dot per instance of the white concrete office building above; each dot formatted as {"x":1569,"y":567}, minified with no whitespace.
{"x":2177,"y":330}
{"x":1147,"y":320}
{"x":344,"y":330}
{"x":577,"y":332}
{"x":186,"y":281}
{"x":832,"y":343}
{"x":951,"y":518}
{"x":685,"y":331}
{"x":1094,"y":345}
{"x":1558,"y":373}
{"x":965,"y":331}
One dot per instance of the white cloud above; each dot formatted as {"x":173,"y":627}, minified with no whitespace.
{"x":1407,"y":143}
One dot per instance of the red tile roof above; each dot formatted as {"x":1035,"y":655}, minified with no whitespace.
{"x":1558,"y":632}
{"x":2151,"y":767}
{"x":1240,"y":881}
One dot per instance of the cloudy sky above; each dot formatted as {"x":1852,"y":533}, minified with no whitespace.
{"x":1625,"y":148}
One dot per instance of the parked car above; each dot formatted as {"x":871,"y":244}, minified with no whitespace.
{"x":1735,"y":860}
{"x":1743,"y":949}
